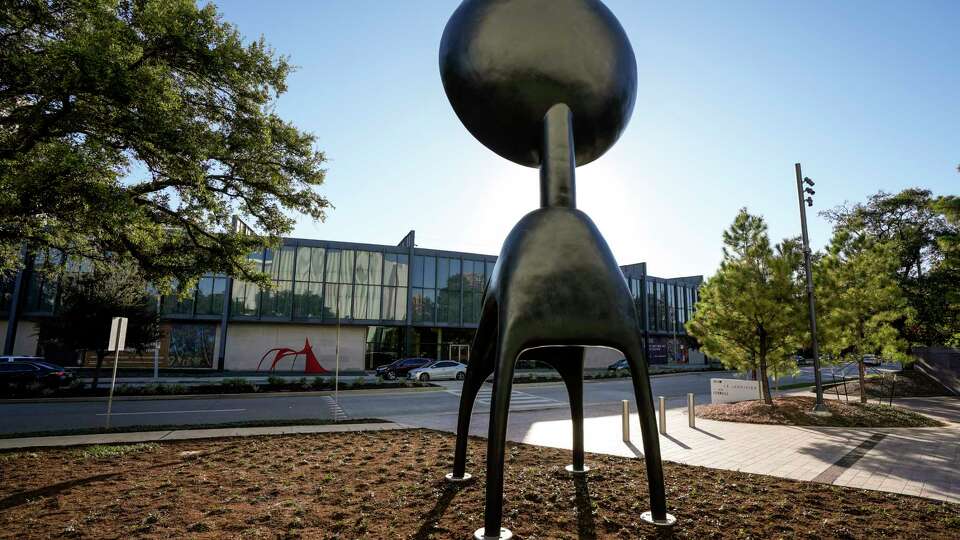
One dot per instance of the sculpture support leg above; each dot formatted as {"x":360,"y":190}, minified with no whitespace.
{"x":480,"y":366}
{"x":507,"y":353}
{"x":568,"y":361}
{"x":477,"y":372}
{"x":648,"y":425}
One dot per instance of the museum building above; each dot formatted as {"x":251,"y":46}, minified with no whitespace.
{"x":372,"y":303}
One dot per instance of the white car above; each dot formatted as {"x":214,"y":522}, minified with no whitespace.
{"x":444,"y":369}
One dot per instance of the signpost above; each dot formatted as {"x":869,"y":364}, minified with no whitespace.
{"x":118,"y":341}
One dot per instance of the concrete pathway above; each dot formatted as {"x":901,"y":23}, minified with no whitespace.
{"x":185,"y":434}
{"x":914,"y":461}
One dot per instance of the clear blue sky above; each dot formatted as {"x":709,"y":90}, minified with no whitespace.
{"x":865,"y":94}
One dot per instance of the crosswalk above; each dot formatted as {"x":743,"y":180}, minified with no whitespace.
{"x":519,"y":401}
{"x":336,"y":412}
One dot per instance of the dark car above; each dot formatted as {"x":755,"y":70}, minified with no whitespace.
{"x":401,"y":367}
{"x":619,"y":365}
{"x":21,"y":372}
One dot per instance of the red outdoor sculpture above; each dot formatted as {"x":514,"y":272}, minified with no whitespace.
{"x":311,"y":366}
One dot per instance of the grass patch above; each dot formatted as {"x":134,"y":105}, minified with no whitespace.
{"x":796,"y":411}
{"x":169,"y":427}
{"x":106,"y":451}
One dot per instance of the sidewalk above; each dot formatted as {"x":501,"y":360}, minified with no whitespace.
{"x":914,"y":461}
{"x":184,"y":434}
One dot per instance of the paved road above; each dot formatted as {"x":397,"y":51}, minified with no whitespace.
{"x":32,"y":417}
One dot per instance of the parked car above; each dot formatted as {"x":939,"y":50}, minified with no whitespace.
{"x":619,"y":365}
{"x":444,"y":369}
{"x":23,"y":372}
{"x":401,"y":367}
{"x":871,"y":360}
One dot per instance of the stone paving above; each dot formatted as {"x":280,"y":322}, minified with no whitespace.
{"x":913,"y":461}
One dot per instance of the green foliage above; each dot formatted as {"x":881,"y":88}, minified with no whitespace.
{"x":920,"y":233}
{"x":237,"y":385}
{"x":750,"y":312}
{"x":136,"y":130}
{"x":860,"y":301}
{"x":88,"y":303}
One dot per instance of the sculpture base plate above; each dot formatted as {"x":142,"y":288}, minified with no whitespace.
{"x":505,"y":534}
{"x":668,"y":522}
{"x":573,"y":471}
{"x":451,"y":478}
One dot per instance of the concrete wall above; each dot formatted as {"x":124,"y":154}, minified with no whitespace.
{"x":248,"y":343}
{"x":26,"y":342}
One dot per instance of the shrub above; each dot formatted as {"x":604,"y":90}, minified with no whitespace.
{"x":273,"y":380}
{"x":237,"y":385}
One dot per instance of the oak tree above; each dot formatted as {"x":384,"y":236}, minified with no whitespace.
{"x":137,"y":129}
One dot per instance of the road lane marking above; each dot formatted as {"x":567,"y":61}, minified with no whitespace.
{"x":173,"y":412}
{"x":519,"y":401}
{"x":336,"y":411}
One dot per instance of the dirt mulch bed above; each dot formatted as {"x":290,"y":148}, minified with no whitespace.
{"x":909,"y":383}
{"x":795,"y":411}
{"x":390,"y":485}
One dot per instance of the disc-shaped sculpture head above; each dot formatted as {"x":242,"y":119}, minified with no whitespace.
{"x":504,"y":63}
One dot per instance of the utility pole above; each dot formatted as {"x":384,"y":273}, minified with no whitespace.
{"x":819,"y":407}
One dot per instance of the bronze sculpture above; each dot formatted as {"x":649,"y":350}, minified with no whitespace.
{"x":548,"y":84}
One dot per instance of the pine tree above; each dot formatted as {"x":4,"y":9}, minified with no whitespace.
{"x":861,"y":301}
{"x":749,"y":314}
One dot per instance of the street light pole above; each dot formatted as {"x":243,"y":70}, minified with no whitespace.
{"x":819,"y":407}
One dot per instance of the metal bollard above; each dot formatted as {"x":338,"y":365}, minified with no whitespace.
{"x":663,"y":415}
{"x":626,"y":420}
{"x":690,"y":408}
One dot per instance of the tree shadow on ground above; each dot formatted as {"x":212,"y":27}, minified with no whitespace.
{"x":52,"y":490}
{"x":430,"y":519}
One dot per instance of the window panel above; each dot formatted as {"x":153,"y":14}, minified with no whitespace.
{"x":362,"y":269}
{"x":283,"y":268}
{"x":204,"y":295}
{"x":402,"y":270}
{"x":429,"y":272}
{"x":268,"y":256}
{"x":333,"y":266}
{"x":217,"y":294}
{"x":346,"y":266}
{"x":246,"y":299}
{"x":376,"y":268}
{"x":390,"y":269}
{"x":308,"y":300}
{"x":443,"y":272}
{"x":417,"y":271}
{"x":316,"y":263}
{"x":453,"y":281}
{"x":303,"y":263}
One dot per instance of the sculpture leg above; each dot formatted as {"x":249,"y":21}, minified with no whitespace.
{"x":651,"y":442}
{"x":508,"y":349}
{"x":568,"y":361}
{"x":480,"y":366}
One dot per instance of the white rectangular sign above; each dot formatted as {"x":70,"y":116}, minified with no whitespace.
{"x":733,"y":390}
{"x":118,"y":334}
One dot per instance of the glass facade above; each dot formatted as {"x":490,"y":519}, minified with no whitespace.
{"x":436,"y":295}
{"x":318,"y":283}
